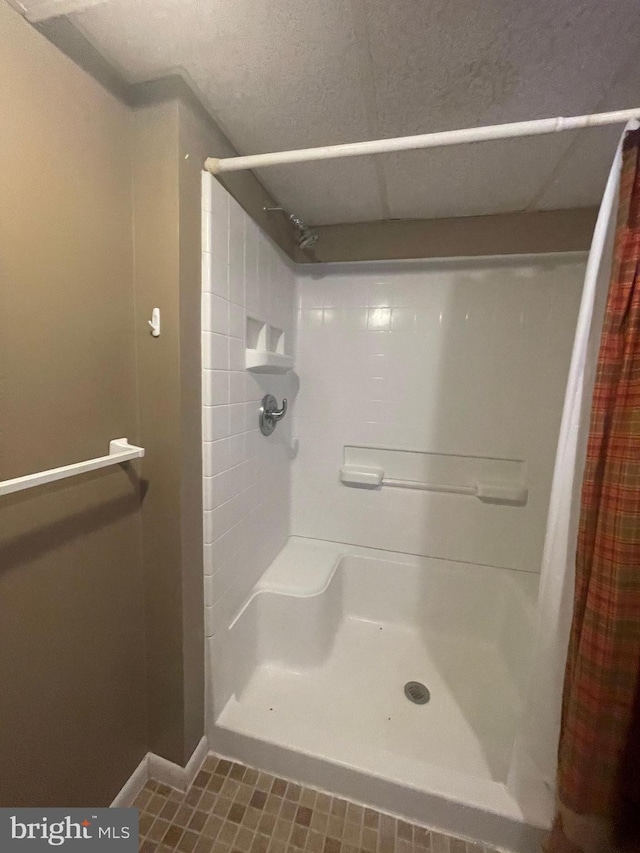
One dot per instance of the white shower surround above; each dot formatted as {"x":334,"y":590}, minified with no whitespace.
{"x":246,"y":479}
{"x":466,"y":357}
{"x":374,"y":342}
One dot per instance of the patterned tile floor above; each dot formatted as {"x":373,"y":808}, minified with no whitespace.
{"x":231,"y":808}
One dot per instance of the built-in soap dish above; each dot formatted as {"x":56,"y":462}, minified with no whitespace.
{"x":265,"y":348}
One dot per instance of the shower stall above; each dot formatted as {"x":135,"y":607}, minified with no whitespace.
{"x":390,"y":529}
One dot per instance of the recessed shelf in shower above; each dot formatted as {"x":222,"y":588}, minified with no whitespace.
{"x":265,"y":351}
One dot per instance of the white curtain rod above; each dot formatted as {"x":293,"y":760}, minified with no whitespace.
{"x":425,"y":140}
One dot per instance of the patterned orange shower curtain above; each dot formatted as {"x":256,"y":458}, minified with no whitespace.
{"x":599,"y":753}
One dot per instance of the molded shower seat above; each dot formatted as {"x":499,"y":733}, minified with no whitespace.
{"x":304,"y":567}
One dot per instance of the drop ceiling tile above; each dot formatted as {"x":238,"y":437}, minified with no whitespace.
{"x":327,"y":193}
{"x":471,"y":180}
{"x":581,"y":175}
{"x":459,"y":63}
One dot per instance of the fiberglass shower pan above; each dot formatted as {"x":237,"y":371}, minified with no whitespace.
{"x":311,"y":677}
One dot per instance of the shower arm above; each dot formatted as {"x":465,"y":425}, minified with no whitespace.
{"x":306,"y":237}
{"x":295,"y":219}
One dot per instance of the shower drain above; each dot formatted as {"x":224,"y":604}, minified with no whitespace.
{"x":416,"y":692}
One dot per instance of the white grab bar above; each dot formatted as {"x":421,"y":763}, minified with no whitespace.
{"x":119,"y":451}
{"x":429,"y":487}
{"x":508,"y":493}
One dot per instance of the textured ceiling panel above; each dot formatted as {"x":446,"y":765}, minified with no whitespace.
{"x":327,"y":193}
{"x":280,"y":74}
{"x":467,"y":64}
{"x":459,"y":63}
{"x":580,"y":177}
{"x":499,"y":176}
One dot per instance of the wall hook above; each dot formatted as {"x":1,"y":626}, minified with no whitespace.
{"x":154,"y":322}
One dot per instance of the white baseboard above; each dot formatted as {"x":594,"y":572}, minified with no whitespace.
{"x":155,"y":767}
{"x":172,"y":774}
{"x":132,"y":787}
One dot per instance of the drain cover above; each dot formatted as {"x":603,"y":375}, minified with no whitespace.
{"x":416,"y":692}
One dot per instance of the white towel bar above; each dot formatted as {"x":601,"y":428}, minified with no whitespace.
{"x":119,"y":451}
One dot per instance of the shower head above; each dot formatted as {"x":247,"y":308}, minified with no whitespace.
{"x":306,"y":238}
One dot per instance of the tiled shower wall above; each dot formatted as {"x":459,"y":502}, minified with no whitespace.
{"x":246,"y":475}
{"x":450,"y":357}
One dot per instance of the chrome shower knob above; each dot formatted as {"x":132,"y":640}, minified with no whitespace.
{"x":270,"y":414}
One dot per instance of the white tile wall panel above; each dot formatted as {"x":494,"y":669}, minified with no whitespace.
{"x":466,"y":357}
{"x":247,"y":476}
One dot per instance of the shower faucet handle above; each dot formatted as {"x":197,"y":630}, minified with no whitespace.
{"x":270,"y":414}
{"x":278,"y":414}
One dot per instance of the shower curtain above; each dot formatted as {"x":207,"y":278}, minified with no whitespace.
{"x":532,"y":773}
{"x":598,"y":780}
